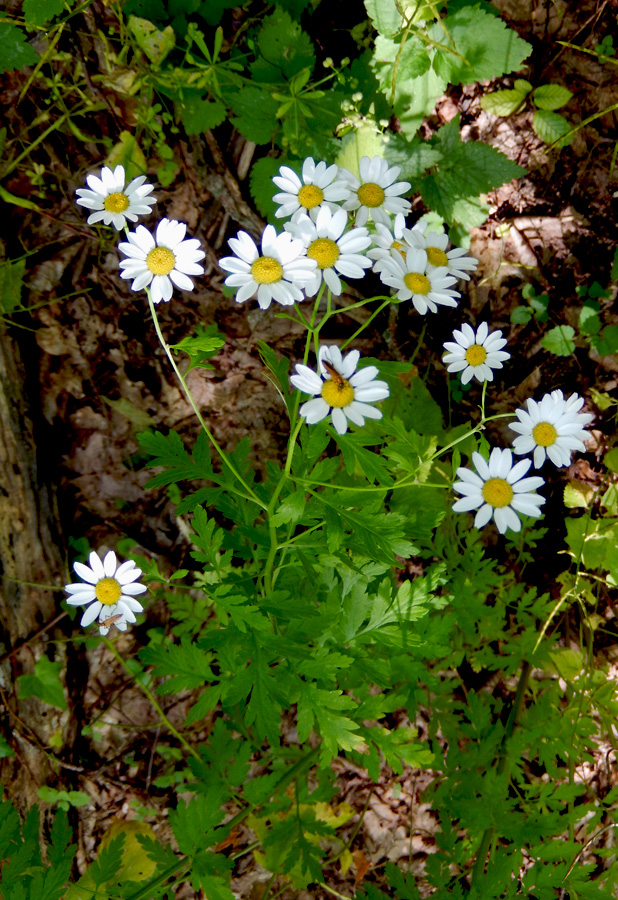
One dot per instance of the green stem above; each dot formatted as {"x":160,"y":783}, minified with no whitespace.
{"x":179,"y":737}
{"x":224,"y":457}
{"x":358,"y":331}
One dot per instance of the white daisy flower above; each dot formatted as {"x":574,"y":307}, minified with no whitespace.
{"x":413,"y":280}
{"x":162,"y":260}
{"x":339,"y":389}
{"x":552,"y":428}
{"x":279,"y":273}
{"x":455,"y":261}
{"x":111,"y":201}
{"x":332,"y":250}
{"x":109,"y":592}
{"x":475,"y":353}
{"x":499,"y":491}
{"x":316,"y":188}
{"x":376,"y":194}
{"x":388,"y":240}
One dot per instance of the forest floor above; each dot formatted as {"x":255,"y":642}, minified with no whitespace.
{"x":97,"y":375}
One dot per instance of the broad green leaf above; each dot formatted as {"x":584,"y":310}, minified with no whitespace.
{"x":412,"y":61}
{"x":212,"y":10}
{"x":15,"y":52}
{"x":569,"y":663}
{"x":44,"y":683}
{"x":284,"y":49}
{"x":262,"y":187}
{"x":38,"y":12}
{"x":521,"y":315}
{"x":559,"y":340}
{"x":589,"y":322}
{"x":502,"y":103}
{"x":255,"y":114}
{"x":610,"y":336}
{"x":198,"y":114}
{"x":577,"y":495}
{"x":551,"y":96}
{"x":413,"y":157}
{"x":11,"y":277}
{"x":384,"y":15}
{"x":416,"y":99}
{"x":155,"y":44}
{"x":611,"y":460}
{"x":485,"y":47}
{"x":363,"y":141}
{"x":551,"y":126}
{"x":128,"y":153}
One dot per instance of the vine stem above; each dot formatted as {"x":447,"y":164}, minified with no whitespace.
{"x":224,"y":457}
{"x":153,"y":700}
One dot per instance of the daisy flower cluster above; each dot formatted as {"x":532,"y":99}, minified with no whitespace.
{"x":340,"y":225}
{"x":550,"y":429}
{"x":157,"y":262}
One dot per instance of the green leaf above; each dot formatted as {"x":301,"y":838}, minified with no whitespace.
{"x":44,"y":683}
{"x":38,"y":12}
{"x":169,"y":451}
{"x":284,"y":49}
{"x":466,"y":170}
{"x":128,"y":153}
{"x":11,"y":278}
{"x":108,"y":862}
{"x":610,"y":336}
{"x":416,"y":98}
{"x":550,"y":126}
{"x":255,"y":114}
{"x":15,"y":52}
{"x":412,"y":61}
{"x":559,"y":340}
{"x":198,"y":114}
{"x":384,"y":15}
{"x":155,"y":44}
{"x":185,"y":665}
{"x":5,"y":748}
{"x":502,"y":103}
{"x":206,"y":344}
{"x":262,"y":187}
{"x":589,"y":322}
{"x":486,"y":48}
{"x":365,"y":140}
{"x":611,"y":460}
{"x":551,"y":96}
{"x":521,"y":315}
{"x":413,"y":157}
{"x":325,"y":707}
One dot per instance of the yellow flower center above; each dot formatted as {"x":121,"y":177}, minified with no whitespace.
{"x":497,"y":492}
{"x":160,"y":261}
{"x":267,"y":270}
{"x":436,"y":257}
{"x":476,"y":355}
{"x":401,"y":248}
{"x":338,"y":393}
{"x":310,"y":196}
{"x":371,"y":195}
{"x":116,"y":203}
{"x":108,"y":591}
{"x":417,"y":283}
{"x":324,"y":251}
{"x":544,"y":434}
